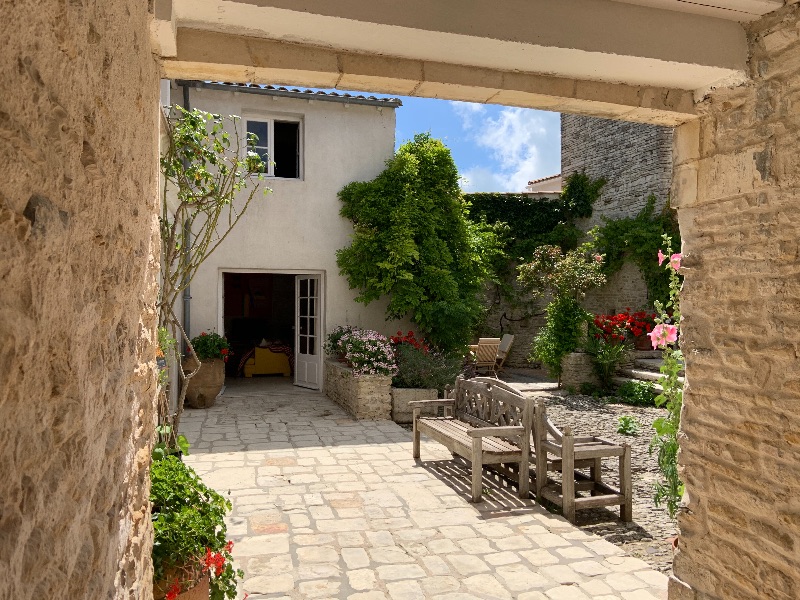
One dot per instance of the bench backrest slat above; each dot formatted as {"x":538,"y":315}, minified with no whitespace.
{"x":484,"y":403}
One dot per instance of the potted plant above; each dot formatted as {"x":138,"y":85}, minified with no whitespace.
{"x":213,"y":351}
{"x":422,"y":373}
{"x":191,"y":555}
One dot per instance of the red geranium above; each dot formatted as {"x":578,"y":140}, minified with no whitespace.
{"x":410,"y":339}
{"x":614,"y":328}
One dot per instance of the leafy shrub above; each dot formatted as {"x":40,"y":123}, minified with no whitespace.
{"x":368,"y":352}
{"x":636,"y":393}
{"x":420,"y":369}
{"x":189,"y":530}
{"x":211,"y":345}
{"x":413,"y":242}
{"x":589,"y":389}
{"x":561,"y":334}
{"x":606,"y":358}
{"x":628,"y":425}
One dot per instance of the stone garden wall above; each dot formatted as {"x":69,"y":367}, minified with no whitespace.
{"x":737,"y":189}
{"x":367,"y":397}
{"x":78,"y":237}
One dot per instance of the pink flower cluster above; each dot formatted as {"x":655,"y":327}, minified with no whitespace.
{"x":663,"y":334}
{"x":368,"y":353}
{"x":674,"y":260}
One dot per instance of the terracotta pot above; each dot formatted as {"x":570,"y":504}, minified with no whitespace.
{"x":206,"y":384}
{"x":642,"y":342}
{"x":200,"y":590}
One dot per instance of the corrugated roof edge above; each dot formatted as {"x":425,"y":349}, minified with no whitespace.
{"x":270,"y":90}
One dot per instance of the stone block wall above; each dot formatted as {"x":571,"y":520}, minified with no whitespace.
{"x":78,"y":241}
{"x":635,"y":158}
{"x":737,"y":189}
{"x":368,"y":397}
{"x":576,"y":368}
{"x":402,"y":412}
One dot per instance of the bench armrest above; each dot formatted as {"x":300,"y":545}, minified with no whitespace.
{"x":496,"y":431}
{"x":421,"y":403}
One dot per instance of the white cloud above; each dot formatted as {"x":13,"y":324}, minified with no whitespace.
{"x":467,"y":112}
{"x":521,"y":144}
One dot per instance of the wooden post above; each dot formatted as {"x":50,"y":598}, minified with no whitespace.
{"x":539,"y":436}
{"x":525,"y":446}
{"x":596,"y":473}
{"x":626,"y":509}
{"x":477,"y":468}
{"x":415,"y":448}
{"x":568,"y":475}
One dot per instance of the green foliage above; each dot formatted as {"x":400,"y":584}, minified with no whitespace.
{"x":636,"y":393}
{"x":167,"y":445}
{"x":165,"y":351}
{"x":188,"y":522}
{"x":580,"y":193}
{"x":420,"y":369}
{"x":561,"y":334}
{"x":211,"y":345}
{"x":414,"y":243}
{"x":665,"y":442}
{"x":606,"y":357}
{"x":563,"y":275}
{"x":589,"y":389}
{"x":628,"y":425}
{"x":638,"y":239}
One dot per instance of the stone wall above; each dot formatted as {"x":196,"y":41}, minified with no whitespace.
{"x":367,"y":397}
{"x":402,"y":412}
{"x":635,"y":158}
{"x":78,"y":236}
{"x":576,"y":368}
{"x":737,"y":189}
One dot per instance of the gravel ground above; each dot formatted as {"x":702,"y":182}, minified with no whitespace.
{"x":648,"y":537}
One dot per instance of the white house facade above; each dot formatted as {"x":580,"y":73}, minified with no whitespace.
{"x":273,"y":282}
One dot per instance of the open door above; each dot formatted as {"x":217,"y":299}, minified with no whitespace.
{"x":308,"y":351}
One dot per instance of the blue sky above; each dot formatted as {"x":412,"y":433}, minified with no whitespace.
{"x":496,"y":148}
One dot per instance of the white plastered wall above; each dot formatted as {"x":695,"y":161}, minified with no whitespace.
{"x":297,"y":228}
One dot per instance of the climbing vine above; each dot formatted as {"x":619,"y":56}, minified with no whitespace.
{"x":638,"y":239}
{"x":414,"y":243}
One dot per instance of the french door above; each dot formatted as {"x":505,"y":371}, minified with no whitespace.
{"x":308,"y":349}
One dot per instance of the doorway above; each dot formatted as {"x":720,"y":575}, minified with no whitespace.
{"x":273,"y":324}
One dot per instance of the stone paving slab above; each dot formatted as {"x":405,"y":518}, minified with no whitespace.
{"x":328,"y":507}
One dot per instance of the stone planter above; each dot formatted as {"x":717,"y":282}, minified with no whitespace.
{"x":367,"y":397}
{"x":206,"y":384}
{"x":642,"y":342}
{"x":401,"y":411}
{"x":576,"y":368}
{"x":200,"y":591}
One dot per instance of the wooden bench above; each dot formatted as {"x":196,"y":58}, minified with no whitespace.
{"x":485,"y":422}
{"x":561,"y":451}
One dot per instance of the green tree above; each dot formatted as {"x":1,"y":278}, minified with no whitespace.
{"x":414,"y":243}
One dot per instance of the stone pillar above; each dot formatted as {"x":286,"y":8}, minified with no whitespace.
{"x":737,"y":189}
{"x":78,"y":248}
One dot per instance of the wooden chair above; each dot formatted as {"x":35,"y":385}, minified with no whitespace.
{"x":502,"y":351}
{"x":486,"y":353}
{"x":561,"y":451}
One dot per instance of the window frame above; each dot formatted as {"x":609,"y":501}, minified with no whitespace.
{"x":270,"y":120}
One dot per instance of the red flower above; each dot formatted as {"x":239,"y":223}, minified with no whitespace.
{"x":204,"y":333}
{"x":173,"y":591}
{"x":224,"y":351}
{"x":229,"y":546}
{"x":215,"y":560}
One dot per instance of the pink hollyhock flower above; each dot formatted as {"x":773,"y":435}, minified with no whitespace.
{"x":675,"y":261}
{"x":661,"y":257}
{"x":663,"y":334}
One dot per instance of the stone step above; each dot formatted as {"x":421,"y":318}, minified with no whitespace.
{"x":650,"y":364}
{"x":637,"y":354}
{"x":642,"y":375}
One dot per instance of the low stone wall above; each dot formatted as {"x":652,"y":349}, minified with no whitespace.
{"x":367,"y":397}
{"x":576,"y":368}
{"x":401,"y":411}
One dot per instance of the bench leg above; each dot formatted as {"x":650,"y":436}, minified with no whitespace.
{"x":596,"y":473}
{"x":626,"y":509}
{"x":415,"y":447}
{"x":567,"y":477}
{"x":477,"y":468}
{"x":524,"y":478}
